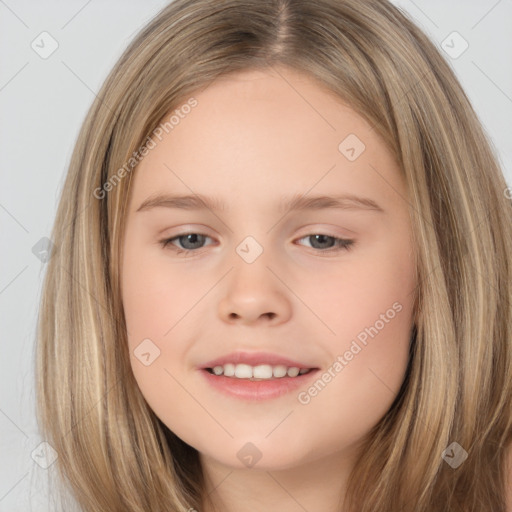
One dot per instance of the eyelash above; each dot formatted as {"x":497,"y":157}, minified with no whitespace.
{"x":342,"y":244}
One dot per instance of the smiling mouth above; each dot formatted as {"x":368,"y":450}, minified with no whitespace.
{"x":256,"y":383}
{"x":259,"y":372}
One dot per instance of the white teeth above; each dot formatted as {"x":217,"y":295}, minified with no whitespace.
{"x":293,"y":371}
{"x":243,"y":371}
{"x":279,"y":371}
{"x":229,"y":370}
{"x":262,"y":371}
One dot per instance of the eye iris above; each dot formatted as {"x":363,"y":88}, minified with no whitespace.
{"x":193,"y":238}
{"x":322,"y":239}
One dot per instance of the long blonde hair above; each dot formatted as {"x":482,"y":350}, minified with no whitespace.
{"x":113,"y":452}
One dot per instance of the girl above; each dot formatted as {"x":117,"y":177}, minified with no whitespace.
{"x":340,"y":337}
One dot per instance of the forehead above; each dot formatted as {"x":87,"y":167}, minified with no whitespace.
{"x":258,"y":131}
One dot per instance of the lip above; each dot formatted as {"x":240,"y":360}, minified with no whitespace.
{"x":259,"y":390}
{"x":249,"y":390}
{"x":254,"y":359}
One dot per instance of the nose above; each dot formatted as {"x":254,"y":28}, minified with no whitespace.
{"x":254,"y":295}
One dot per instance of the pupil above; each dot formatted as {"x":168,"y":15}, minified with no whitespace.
{"x":192,"y":238}
{"x":322,"y":239}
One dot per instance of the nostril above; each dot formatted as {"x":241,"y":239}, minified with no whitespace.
{"x":270,"y":315}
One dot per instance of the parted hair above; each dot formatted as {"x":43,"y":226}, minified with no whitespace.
{"x":114,"y":454}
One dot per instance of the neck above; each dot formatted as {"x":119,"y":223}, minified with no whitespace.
{"x":316,"y":485}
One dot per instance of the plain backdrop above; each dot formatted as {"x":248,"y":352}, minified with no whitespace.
{"x":43,"y":102}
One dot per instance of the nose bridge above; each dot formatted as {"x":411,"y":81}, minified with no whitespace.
{"x":252,"y":253}
{"x":252,"y":291}
{"x":250,"y":278}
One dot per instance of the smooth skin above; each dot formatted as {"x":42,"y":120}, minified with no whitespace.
{"x":254,"y":138}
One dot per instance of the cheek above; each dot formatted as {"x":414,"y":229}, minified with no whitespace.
{"x":369,"y":295}
{"x":357,"y":388}
{"x":156,"y":295}
{"x":368,"y":306}
{"x":152,"y":305}
{"x":159,"y":301}
{"x":372,"y":319}
{"x":154,"y":301}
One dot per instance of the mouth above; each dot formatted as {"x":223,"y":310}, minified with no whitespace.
{"x":262,"y":372}
{"x":253,"y":383}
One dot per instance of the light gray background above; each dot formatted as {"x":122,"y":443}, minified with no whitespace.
{"x":42,"y":105}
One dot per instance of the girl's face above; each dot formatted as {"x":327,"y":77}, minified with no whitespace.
{"x":282,"y":268}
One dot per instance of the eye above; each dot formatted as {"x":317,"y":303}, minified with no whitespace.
{"x":328,"y":243}
{"x":189,"y":242}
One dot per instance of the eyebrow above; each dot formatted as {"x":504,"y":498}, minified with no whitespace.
{"x":293,"y":203}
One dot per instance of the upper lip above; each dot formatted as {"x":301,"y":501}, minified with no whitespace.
{"x":254,"y":359}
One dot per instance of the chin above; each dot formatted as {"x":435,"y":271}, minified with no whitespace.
{"x":257,"y":455}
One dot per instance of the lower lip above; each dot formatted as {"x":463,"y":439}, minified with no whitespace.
{"x":254,"y":390}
